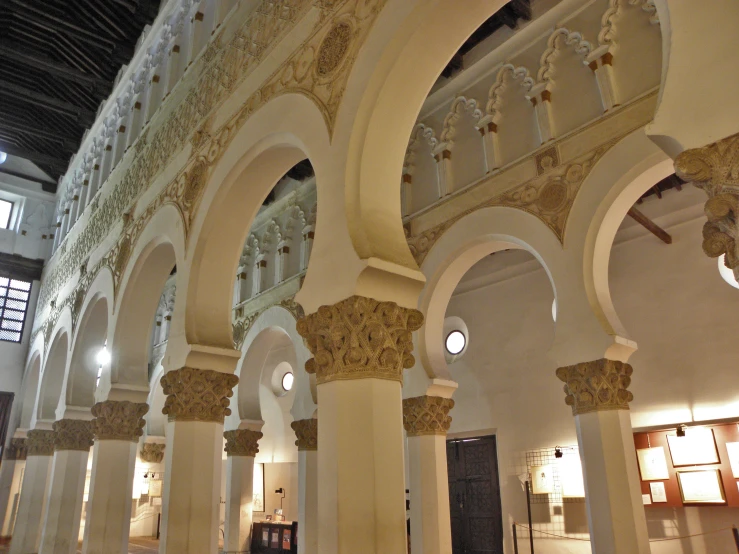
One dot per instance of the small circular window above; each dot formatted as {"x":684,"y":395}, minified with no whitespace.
{"x":455,"y":342}
{"x":287,"y":381}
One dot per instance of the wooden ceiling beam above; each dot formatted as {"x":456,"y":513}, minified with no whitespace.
{"x":35,"y":157}
{"x":53,"y":68}
{"x":44,"y":101}
{"x":48,"y":186}
{"x":27,"y":129}
{"x":650,"y":225}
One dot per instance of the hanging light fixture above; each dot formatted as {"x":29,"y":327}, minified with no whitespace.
{"x":726,"y":273}
{"x":103,"y":356}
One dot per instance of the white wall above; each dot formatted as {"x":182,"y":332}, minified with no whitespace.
{"x":672,"y":301}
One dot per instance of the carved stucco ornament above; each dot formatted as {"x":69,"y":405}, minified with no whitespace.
{"x":242,"y":442}
{"x":72,"y":434}
{"x":40,"y":442}
{"x":427,"y":415}
{"x":197,"y":394}
{"x":596,"y":386}
{"x":715,"y":170}
{"x":333,"y":49}
{"x":306,"y":431}
{"x":360,"y":338}
{"x":17,"y":450}
{"x":152,"y":452}
{"x":119,"y":420}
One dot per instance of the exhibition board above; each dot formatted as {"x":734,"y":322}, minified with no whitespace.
{"x":689,"y":470}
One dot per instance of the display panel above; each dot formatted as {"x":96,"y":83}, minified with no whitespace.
{"x":542,"y":480}
{"x":658,"y":492}
{"x":697,"y":447}
{"x":701,"y":487}
{"x":652,"y":464}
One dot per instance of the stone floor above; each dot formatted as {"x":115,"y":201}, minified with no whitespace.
{"x":135,"y":546}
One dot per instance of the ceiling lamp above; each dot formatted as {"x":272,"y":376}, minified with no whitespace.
{"x":287,"y":381}
{"x":726,"y":273}
{"x":3,"y":157}
{"x":455,"y":342}
{"x":103,"y":356}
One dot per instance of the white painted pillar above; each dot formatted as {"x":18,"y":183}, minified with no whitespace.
{"x":541,"y":97}
{"x":361,"y":470}
{"x":196,"y":404}
{"x":57,"y":235}
{"x":117,"y":427}
{"x":306,"y":247}
{"x":426,"y":420}
{"x":443,"y":157}
{"x":96,"y":180}
{"x":306,"y":431}
{"x":260,"y":267}
{"x":283,"y":252}
{"x":489,"y":131}
{"x":597,"y":392}
{"x":241,"y":447}
{"x":11,"y":470}
{"x":65,"y":222}
{"x":74,"y":210}
{"x":600,"y":62}
{"x":72,"y":442}
{"x":34,"y":492}
{"x":135,"y":121}
{"x":107,"y":163}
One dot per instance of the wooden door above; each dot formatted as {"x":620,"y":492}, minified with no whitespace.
{"x":474,"y":496}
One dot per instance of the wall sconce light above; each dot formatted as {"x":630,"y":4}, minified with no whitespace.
{"x":558,"y":452}
{"x":283,"y":493}
{"x":681,"y":430}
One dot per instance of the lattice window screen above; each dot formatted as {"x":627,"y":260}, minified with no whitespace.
{"x":14,"y":295}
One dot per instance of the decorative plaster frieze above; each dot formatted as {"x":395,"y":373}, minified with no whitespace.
{"x":360,"y":338}
{"x":17,"y":450}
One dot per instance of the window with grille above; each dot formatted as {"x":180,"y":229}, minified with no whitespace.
{"x":14,"y":296}
{"x":6,"y":209}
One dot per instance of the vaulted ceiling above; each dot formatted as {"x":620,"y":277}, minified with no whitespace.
{"x":58,"y":61}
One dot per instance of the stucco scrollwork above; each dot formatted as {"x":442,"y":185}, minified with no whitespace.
{"x":360,"y":338}
{"x":715,"y":169}
{"x":197,"y":394}
{"x":596,"y":386}
{"x":242,"y":442}
{"x":152,"y":452}
{"x":306,"y":431}
{"x":119,"y":420}
{"x":427,"y":415}
{"x":72,"y":434}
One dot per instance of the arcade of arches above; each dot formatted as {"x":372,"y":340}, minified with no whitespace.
{"x":245,"y":332}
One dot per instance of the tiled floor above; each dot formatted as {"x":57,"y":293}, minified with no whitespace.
{"x":135,"y":546}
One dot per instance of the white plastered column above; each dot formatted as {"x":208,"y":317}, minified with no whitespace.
{"x":116,"y":428}
{"x":34,"y":492}
{"x":426,"y":420}
{"x":361,"y":474}
{"x":197,"y":402}
{"x":597,"y":392}
{"x":72,"y":442}
{"x":306,"y":431}
{"x":241,"y":448}
{"x":14,"y":461}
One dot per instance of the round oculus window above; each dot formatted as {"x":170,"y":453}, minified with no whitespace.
{"x":455,"y":342}
{"x":287,"y":381}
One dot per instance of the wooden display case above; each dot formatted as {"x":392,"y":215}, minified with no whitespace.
{"x":270,"y":537}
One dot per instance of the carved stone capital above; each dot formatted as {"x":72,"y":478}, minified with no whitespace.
{"x":360,"y":338}
{"x":597,"y":385}
{"x":16,"y":450}
{"x":72,"y":434}
{"x":242,"y":442}
{"x":306,"y":430}
{"x":122,"y":421}
{"x":715,"y":169}
{"x":197,"y":394}
{"x":40,"y":443}
{"x":427,"y":415}
{"x":152,"y":452}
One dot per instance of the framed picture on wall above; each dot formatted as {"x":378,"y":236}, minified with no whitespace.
{"x":733,"y":449}
{"x":155,"y":487}
{"x":542,"y":479}
{"x":657,"y":489}
{"x":652,"y":464}
{"x":701,"y":487}
{"x":697,"y":447}
{"x":258,"y":490}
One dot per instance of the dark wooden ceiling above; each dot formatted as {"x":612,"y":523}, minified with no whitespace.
{"x":58,"y":61}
